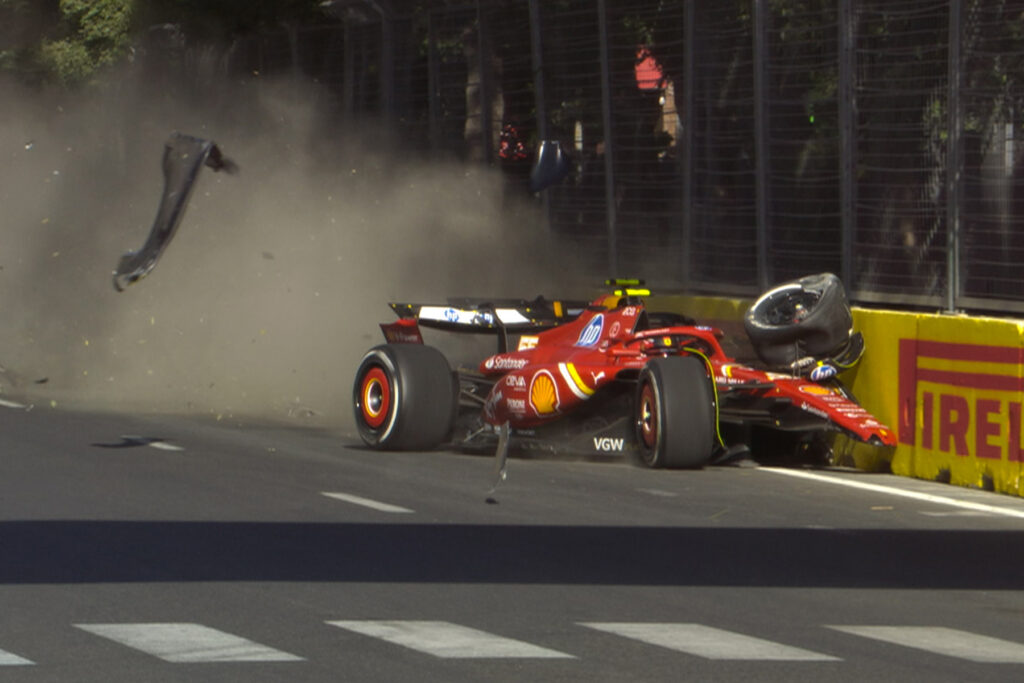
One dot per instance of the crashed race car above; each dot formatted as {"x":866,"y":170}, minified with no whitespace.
{"x":612,"y":377}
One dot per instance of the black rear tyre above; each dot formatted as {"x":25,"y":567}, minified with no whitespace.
{"x":675,"y":413}
{"x":404,"y":397}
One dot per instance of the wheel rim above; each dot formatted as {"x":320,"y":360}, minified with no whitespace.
{"x":790,"y":307}
{"x":647,"y":419}
{"x":375,"y":397}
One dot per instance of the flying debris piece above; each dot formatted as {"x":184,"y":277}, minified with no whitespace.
{"x":501,"y":457}
{"x":184,"y":156}
{"x":132,"y":441}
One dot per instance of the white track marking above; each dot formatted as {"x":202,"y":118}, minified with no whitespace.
{"x":11,"y":404}
{"x":188,"y":643}
{"x":892,"y":491}
{"x":11,"y":659}
{"x":954,"y":513}
{"x":366,"y":502}
{"x":659,"y":492}
{"x":944,"y":641}
{"x":164,"y":446}
{"x":449,"y":641}
{"x":152,"y":443}
{"x":708,"y":642}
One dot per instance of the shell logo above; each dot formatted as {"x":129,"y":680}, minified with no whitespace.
{"x":543,"y":393}
{"x":815,"y":390}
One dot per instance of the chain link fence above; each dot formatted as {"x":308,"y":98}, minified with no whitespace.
{"x":720,"y":147}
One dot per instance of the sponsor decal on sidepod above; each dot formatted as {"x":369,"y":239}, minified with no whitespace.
{"x":592,"y":332}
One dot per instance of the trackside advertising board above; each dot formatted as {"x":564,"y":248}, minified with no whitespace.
{"x":960,"y":401}
{"x":952,"y":387}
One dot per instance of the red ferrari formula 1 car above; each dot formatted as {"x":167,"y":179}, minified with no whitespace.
{"x":611,"y":377}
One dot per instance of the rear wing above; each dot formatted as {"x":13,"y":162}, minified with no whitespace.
{"x":500,"y":316}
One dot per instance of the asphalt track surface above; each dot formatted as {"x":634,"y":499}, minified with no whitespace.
{"x":172,"y":548}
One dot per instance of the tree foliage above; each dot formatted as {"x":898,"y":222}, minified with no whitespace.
{"x":90,"y":35}
{"x":71,"y":41}
{"x":63,"y":40}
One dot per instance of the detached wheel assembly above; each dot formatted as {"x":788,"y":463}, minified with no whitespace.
{"x":805,"y":317}
{"x":404,"y":397}
{"x":675,"y":413}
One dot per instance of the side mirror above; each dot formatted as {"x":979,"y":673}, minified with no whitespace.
{"x":551,"y":167}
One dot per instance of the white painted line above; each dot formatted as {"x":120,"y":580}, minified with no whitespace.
{"x":152,"y":443}
{"x":954,"y":513}
{"x":164,"y":446}
{"x":708,"y":642}
{"x":188,"y":643}
{"x":944,"y":641}
{"x":659,"y":492}
{"x":892,"y":491}
{"x":449,"y":641}
{"x":11,"y":404}
{"x":11,"y":659}
{"x":366,"y":502}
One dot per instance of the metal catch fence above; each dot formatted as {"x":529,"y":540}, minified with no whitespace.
{"x":726,"y":146}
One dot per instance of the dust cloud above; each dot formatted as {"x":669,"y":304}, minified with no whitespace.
{"x":277,"y":278}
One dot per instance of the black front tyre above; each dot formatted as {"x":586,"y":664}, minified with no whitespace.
{"x":404,"y":397}
{"x":675,"y":413}
{"x":805,"y":317}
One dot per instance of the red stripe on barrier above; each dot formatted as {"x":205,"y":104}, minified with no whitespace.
{"x":910,"y":374}
{"x":971,"y":380}
{"x":970,"y":352}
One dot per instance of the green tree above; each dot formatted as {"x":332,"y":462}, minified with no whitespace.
{"x":65,"y":41}
{"x":92,"y":34}
{"x":70,"y":41}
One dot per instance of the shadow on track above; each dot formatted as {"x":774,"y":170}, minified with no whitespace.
{"x":121,"y":551}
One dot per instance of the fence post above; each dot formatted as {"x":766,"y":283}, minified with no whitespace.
{"x":686,"y":141}
{"x":540,"y":103}
{"x":348,"y":73}
{"x":433,"y":83}
{"x":760,"y":8}
{"x":609,"y":146}
{"x":847,"y":139}
{"x":486,"y":88}
{"x":387,"y":64}
{"x":537,"y":57}
{"x":953,"y":159}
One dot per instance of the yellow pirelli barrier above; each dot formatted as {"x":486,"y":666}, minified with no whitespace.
{"x":951,"y":386}
{"x":959,"y":390}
